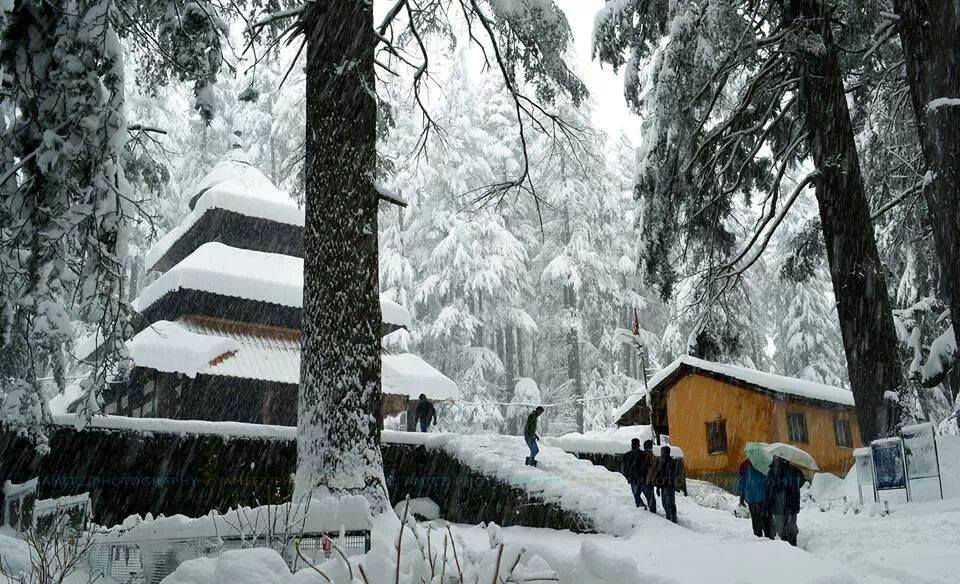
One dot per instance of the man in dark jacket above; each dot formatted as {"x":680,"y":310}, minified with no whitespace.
{"x":630,"y":467}
{"x":752,"y":488}
{"x":426,"y":413}
{"x":530,"y":435}
{"x":648,"y":474}
{"x":670,"y":478}
{"x":783,"y":498}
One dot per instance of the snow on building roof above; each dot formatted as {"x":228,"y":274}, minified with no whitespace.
{"x":237,"y":186}
{"x":241,"y":273}
{"x":411,"y":375}
{"x":262,"y":356}
{"x":791,"y":386}
{"x":171,"y":348}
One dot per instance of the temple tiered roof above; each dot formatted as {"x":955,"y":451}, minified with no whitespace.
{"x":228,"y":276}
{"x":237,"y":205}
{"x":206,"y":347}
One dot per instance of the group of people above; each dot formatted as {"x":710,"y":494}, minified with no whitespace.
{"x":646,"y":474}
{"x":773,"y":498}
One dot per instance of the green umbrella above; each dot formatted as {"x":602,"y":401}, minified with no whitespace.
{"x":758,"y":456}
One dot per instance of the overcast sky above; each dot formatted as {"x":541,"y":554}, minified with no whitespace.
{"x":606,"y":88}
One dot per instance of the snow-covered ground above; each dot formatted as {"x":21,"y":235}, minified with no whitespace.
{"x":913,"y":543}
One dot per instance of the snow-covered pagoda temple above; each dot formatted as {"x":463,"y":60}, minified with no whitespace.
{"x":220,"y":334}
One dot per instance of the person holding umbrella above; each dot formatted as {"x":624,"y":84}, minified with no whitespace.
{"x":783,"y":488}
{"x":752,"y":487}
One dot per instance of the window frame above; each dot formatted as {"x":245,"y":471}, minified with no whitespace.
{"x":720,"y":425}
{"x":842,"y":422}
{"x":802,"y":434}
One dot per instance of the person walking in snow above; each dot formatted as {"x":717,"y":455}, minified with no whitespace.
{"x":426,"y":413}
{"x":783,"y":499}
{"x":530,"y":435}
{"x":630,"y":467}
{"x":752,"y":488}
{"x":648,"y":474}
{"x":670,"y":478}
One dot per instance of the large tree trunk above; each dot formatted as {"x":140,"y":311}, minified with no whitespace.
{"x":510,"y":358}
{"x":930,"y":36}
{"x":863,"y":302}
{"x":574,"y":373}
{"x":338,"y":436}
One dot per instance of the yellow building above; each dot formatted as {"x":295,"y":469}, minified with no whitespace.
{"x":711,"y":410}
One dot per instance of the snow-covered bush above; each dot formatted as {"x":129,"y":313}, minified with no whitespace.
{"x":53,"y":554}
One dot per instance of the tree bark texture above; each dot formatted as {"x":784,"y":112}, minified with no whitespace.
{"x":338,"y":436}
{"x":863,"y":302}
{"x":930,"y":37}
{"x":510,"y":353}
{"x":574,"y":373}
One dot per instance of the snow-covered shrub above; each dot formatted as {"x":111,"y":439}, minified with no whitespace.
{"x":53,"y":554}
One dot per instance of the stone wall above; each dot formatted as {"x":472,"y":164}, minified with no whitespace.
{"x":128,"y":472}
{"x":466,"y":496}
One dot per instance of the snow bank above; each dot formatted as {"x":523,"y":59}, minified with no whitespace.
{"x":242,"y":273}
{"x":423,"y":508}
{"x":609,"y":441}
{"x":778,"y":383}
{"x":183,"y":427}
{"x":246,"y":566}
{"x":168,"y":347}
{"x":324,"y":515}
{"x":14,"y":557}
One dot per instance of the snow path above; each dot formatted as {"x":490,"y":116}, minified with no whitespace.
{"x":917,"y":543}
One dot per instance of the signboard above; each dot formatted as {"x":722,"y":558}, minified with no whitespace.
{"x":863,"y":462}
{"x":920,"y":449}
{"x":889,"y":471}
{"x":920,"y":446}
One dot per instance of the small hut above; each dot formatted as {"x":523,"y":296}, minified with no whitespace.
{"x":711,"y":410}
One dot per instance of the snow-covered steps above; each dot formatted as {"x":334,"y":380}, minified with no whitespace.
{"x":599,"y":497}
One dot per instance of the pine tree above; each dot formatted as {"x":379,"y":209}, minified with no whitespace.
{"x":731,"y":80}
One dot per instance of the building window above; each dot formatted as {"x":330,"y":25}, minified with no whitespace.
{"x":797,"y":427}
{"x":841,"y":426}
{"x":717,"y":437}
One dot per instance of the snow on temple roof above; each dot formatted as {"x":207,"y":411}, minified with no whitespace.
{"x":777,"y":383}
{"x":240,"y":273}
{"x":236,"y":186}
{"x":411,"y":375}
{"x":171,"y":348}
{"x":260,"y":355}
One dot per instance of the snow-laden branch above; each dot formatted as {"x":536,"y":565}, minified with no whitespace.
{"x":758,"y":251}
